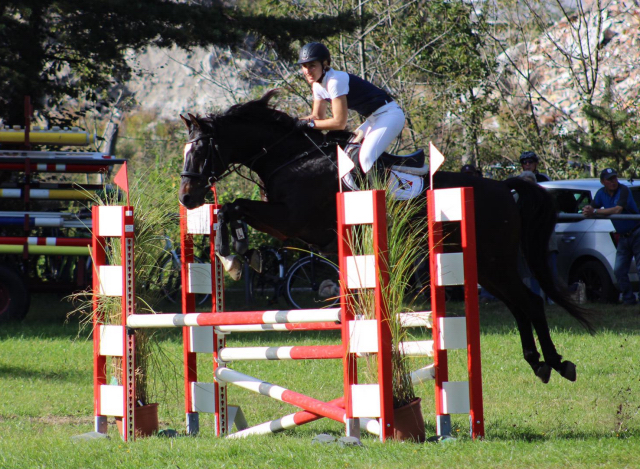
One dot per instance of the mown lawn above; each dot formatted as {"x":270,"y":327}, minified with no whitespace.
{"x":46,"y":399}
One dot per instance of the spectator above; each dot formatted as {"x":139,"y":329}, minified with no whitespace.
{"x":471,"y":169}
{"x":529,"y":162}
{"x":612,"y":199}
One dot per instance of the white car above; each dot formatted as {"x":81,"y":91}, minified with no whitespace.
{"x":587,"y":247}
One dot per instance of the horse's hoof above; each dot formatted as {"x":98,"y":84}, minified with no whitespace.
{"x":544,"y":373}
{"x":255,"y":261}
{"x":568,"y":370}
{"x":232,"y":265}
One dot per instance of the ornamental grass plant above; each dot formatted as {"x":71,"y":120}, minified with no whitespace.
{"x":407,"y":251}
{"x":154,"y":205}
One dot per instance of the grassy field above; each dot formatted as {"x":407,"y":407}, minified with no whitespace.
{"x":46,"y":399}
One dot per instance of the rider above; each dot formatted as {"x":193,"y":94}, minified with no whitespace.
{"x":384,"y":118}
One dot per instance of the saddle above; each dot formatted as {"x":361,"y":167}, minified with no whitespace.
{"x":413,"y":163}
{"x":404,"y":174}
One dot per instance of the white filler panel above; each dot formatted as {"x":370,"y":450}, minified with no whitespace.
{"x":365,"y":400}
{"x":448,"y":204}
{"x":450,"y":269}
{"x":203,"y":397}
{"x":110,"y":220}
{"x":361,"y":272}
{"x":200,"y":278}
{"x":363,"y":336}
{"x":455,"y":397}
{"x":358,"y":208}
{"x":198,"y":220}
{"x":110,"y":280}
{"x":112,"y":400}
{"x":201,"y":339}
{"x":111,"y":341}
{"x":453,"y":333}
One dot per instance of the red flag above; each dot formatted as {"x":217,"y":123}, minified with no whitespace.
{"x":122,"y":180}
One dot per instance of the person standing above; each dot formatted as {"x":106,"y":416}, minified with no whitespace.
{"x":529,"y":162}
{"x":612,"y":199}
{"x":344,"y":91}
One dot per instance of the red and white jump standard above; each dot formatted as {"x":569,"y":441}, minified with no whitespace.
{"x":368,"y":405}
{"x":113,"y":340}
{"x":455,"y":397}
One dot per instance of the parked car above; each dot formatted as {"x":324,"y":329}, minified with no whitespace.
{"x":587,"y":247}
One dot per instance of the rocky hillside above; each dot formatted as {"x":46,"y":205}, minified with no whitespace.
{"x":176,"y":81}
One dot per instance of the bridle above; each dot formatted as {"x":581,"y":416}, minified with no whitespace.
{"x":213,"y":152}
{"x":206,"y":172}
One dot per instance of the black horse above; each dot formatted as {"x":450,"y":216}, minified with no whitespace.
{"x":298,"y":174}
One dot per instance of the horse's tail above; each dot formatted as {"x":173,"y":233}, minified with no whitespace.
{"x":538,"y":220}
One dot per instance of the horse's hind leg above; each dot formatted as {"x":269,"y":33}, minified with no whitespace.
{"x":566,"y":368}
{"x":515,"y":295}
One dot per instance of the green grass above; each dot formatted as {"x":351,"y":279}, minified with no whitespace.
{"x":46,"y":398}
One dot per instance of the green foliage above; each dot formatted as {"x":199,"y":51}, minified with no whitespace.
{"x":58,"y":50}
{"x":613,"y":140}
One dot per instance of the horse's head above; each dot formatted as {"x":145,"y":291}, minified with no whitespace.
{"x":218,"y":141}
{"x":200,"y":165}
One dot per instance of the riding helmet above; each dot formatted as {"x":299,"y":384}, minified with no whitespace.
{"x":313,"y":51}
{"x":529,"y":155}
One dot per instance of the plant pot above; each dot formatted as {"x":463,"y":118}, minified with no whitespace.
{"x":409,"y":423}
{"x":146,"y":420}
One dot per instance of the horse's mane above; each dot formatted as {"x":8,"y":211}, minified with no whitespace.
{"x":256,"y":110}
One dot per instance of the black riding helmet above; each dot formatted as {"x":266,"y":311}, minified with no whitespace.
{"x":529,"y":155}
{"x":313,"y":51}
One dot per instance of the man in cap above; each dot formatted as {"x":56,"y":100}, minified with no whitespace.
{"x":529,"y":162}
{"x":612,"y":199}
{"x":471,"y":169}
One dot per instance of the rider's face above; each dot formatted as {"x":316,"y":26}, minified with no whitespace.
{"x":312,"y":71}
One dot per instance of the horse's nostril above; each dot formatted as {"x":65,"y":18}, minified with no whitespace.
{"x":185,"y":199}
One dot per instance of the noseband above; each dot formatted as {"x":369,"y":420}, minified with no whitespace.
{"x":207,"y":168}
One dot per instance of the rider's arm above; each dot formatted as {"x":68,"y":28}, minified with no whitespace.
{"x":339,"y":111}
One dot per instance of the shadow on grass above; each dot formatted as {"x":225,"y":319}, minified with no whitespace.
{"x":21,"y":372}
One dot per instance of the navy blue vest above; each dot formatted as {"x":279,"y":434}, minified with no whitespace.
{"x":364,"y":97}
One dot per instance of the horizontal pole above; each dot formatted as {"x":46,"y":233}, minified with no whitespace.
{"x":279,"y":393}
{"x":58,"y":167}
{"x":59,"y":156}
{"x":422,"y":348}
{"x":237,"y":318}
{"x":58,"y":194}
{"x":48,"y":222}
{"x":423,"y":374}
{"x":417,"y":319}
{"x":45,"y":250}
{"x":284,"y":423}
{"x":45,"y":241}
{"x":318,"y":326}
{"x":301,"y":352}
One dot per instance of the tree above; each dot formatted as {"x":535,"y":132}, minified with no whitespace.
{"x":425,"y":53}
{"x":56,"y":50}
{"x":613,"y":138}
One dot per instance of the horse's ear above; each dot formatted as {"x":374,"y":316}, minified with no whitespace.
{"x":186,"y":121}
{"x":194,"y":121}
{"x":270,"y":94}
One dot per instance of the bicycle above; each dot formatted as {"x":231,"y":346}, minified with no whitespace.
{"x":171,"y":277}
{"x":309,"y":283}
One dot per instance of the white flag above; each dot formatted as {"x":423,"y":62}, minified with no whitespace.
{"x":435,"y":160}
{"x":344,"y":163}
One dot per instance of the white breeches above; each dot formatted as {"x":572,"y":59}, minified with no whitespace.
{"x":380,"y":129}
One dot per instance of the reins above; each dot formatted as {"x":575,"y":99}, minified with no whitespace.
{"x":213,"y":152}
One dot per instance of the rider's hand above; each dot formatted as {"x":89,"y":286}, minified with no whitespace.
{"x":304,"y":124}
